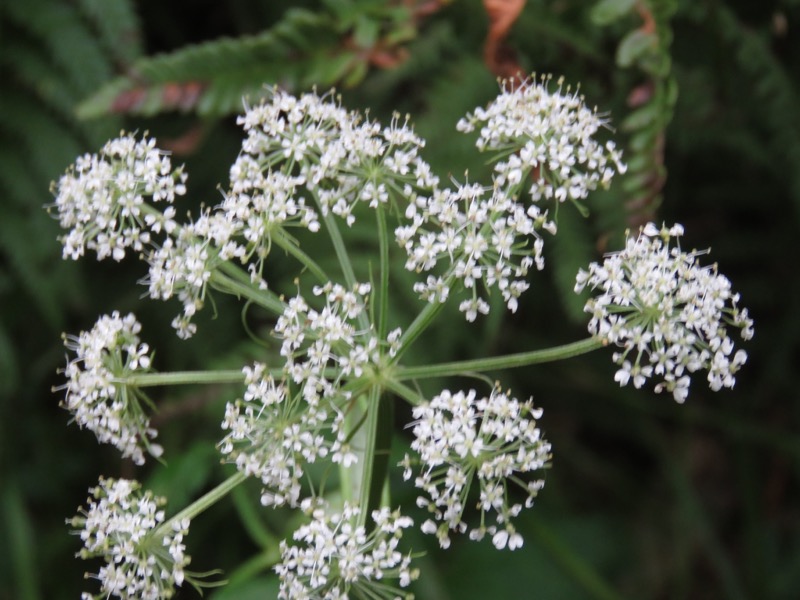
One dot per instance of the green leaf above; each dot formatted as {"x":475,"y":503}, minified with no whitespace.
{"x":366,"y":32}
{"x":327,"y":70}
{"x":639,"y":162}
{"x":67,"y":38}
{"x":608,"y":11}
{"x":634,"y":46}
{"x":642,"y":140}
{"x":636,"y":181}
{"x":641,"y":117}
{"x":357,"y":74}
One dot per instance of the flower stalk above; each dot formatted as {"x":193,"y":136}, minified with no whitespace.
{"x":496,"y":363}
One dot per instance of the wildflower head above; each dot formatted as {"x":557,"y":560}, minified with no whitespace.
{"x":96,"y":393}
{"x":282,"y":424}
{"x":335,"y":558}
{"x":101,"y":199}
{"x":478,"y":235}
{"x":272,"y":435}
{"x":668,"y":315}
{"x":119,"y":525}
{"x":460,"y":437}
{"x":315,"y":340}
{"x":181,"y":267}
{"x":340,"y":158}
{"x":549,"y":134}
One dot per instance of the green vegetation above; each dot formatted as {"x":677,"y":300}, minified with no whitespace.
{"x":647,"y":499}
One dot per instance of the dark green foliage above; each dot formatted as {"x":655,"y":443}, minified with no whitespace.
{"x":49,"y":60}
{"x":52,"y":54}
{"x":304,"y":48}
{"x":651,"y":100}
{"x":767,"y":83}
{"x":646,"y":499}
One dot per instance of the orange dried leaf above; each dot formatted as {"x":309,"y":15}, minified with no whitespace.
{"x":498,"y":57}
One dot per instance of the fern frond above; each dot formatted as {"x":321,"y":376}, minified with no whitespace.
{"x":9,"y":365}
{"x":303,"y":49}
{"x":17,"y":178}
{"x":118,"y":27}
{"x":646,"y":48}
{"x":29,"y":126}
{"x":213,"y":77}
{"x":28,"y":65}
{"x":70,"y":44}
{"x":51,"y":57}
{"x":32,"y":264}
{"x":773,"y":90}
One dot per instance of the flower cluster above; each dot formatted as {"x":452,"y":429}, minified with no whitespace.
{"x":340,"y":159}
{"x":481,"y":235}
{"x":273,"y":434}
{"x":182,"y":267}
{"x":459,"y":437}
{"x":274,"y":431}
{"x":476,"y":461}
{"x":335,"y":557}
{"x":260,"y":203}
{"x":313,"y":340}
{"x":96,"y":393}
{"x":118,"y":526}
{"x":669,"y":315}
{"x":549,"y":134}
{"x":298,"y":151}
{"x":101,"y":198}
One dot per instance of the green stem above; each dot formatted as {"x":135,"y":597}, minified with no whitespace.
{"x":424,"y":318}
{"x":405,"y":392}
{"x":340,"y":249}
{"x":344,"y":260}
{"x":250,"y":515}
{"x":509,"y":361}
{"x":375,"y":459}
{"x":186,"y":378}
{"x":225,"y":279}
{"x":231,"y":278}
{"x":286,"y":243}
{"x":256,"y":565}
{"x":201,"y":504}
{"x":383,"y":237}
{"x":200,"y":377}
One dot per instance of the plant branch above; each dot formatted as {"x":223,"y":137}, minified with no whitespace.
{"x":508,"y":361}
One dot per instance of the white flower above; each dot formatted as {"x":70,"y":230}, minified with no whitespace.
{"x":272,"y":435}
{"x":340,"y":158}
{"x":101,"y":198}
{"x":549,"y":134}
{"x":477,"y":235}
{"x":334,"y":557}
{"x":118,"y":526}
{"x":182,"y":267}
{"x":96,"y":393}
{"x":668,"y":314}
{"x":316,"y":340}
{"x":460,"y":437}
{"x":260,"y":202}
{"x":282,"y":424}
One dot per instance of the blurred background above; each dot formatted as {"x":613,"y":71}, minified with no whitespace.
{"x":646,"y":499}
